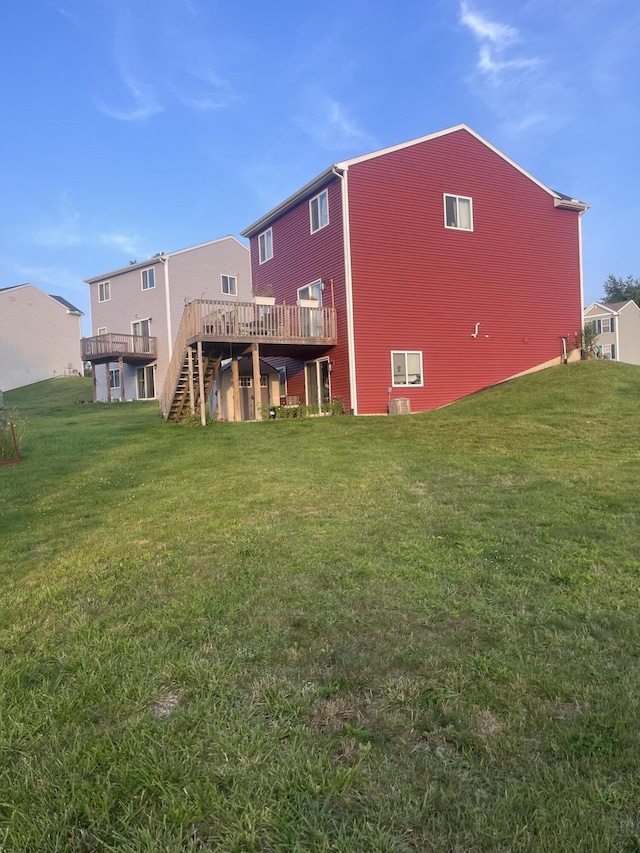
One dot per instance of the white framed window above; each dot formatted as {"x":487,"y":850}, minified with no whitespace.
{"x":244,"y":381}
{"x":229,"y":284}
{"x":608,"y":324}
{"x":102,"y":330}
{"x":458,"y":212}
{"x":148,"y":279}
{"x":311,"y":291}
{"x":406,"y":368}
{"x":104,"y":291}
{"x":609,"y":351}
{"x":265,"y":245}
{"x":319,"y":211}
{"x":114,"y":378}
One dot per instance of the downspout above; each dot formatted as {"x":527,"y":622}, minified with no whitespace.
{"x":167,"y":300}
{"x":346,"y":233}
{"x":580,"y":214}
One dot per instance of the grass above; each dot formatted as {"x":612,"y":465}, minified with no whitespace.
{"x":378,"y":634}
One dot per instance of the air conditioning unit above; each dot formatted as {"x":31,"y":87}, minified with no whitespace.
{"x":399,"y":406}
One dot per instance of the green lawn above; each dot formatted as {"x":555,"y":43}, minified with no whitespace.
{"x":337,"y":634}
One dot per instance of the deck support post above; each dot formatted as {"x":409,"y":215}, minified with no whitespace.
{"x":235,"y":375}
{"x":108,"y":376}
{"x":192,"y":402}
{"x":257,"y":391}
{"x":203,"y":410}
{"x":221,"y":412}
{"x":121,"y":366}
{"x":95,"y":383}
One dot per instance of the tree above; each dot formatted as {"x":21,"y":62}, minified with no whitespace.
{"x":618,"y":289}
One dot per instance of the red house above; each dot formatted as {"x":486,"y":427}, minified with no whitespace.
{"x":450,"y":269}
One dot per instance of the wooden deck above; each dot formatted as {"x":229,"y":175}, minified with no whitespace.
{"x":212,"y":329}
{"x":114,"y":346}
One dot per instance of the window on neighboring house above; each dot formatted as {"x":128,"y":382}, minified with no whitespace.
{"x":102,"y":330}
{"x":114,"y":378}
{"x":458,"y":212}
{"x":406,"y":368}
{"x":319,"y":211}
{"x":148,"y":279}
{"x":141,"y":331}
{"x":244,"y":381}
{"x":609,"y":351}
{"x":265,"y":245}
{"x":104,"y":291}
{"x":229,"y":284}
{"x":608,"y":324}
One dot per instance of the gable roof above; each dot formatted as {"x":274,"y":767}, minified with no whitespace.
{"x":59,"y":299}
{"x":337,"y":169}
{"x":611,"y":307}
{"x":156,"y":259}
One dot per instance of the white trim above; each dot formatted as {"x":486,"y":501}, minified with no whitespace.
{"x":101,"y":284}
{"x":228,"y":276}
{"x":141,"y":320}
{"x":305,"y":300}
{"x":164,"y":259}
{"x":580,"y":267}
{"x":407,"y":352}
{"x":348,"y":283}
{"x":147,"y":270}
{"x":458,"y":198}
{"x":102,"y":330}
{"x":317,"y":198}
{"x":266,"y":231}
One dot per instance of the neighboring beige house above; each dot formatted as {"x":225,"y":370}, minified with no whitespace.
{"x":39,"y":337}
{"x":136,"y":313}
{"x":618,"y":327}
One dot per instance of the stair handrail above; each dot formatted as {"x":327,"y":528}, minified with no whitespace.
{"x":189,"y":326}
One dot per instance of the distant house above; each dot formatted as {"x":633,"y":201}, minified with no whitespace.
{"x":618,"y":328}
{"x":424,"y":271}
{"x":136,"y":312}
{"x":39,"y":336}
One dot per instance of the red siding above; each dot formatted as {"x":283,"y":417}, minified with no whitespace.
{"x":419,"y":286}
{"x":300,"y":258}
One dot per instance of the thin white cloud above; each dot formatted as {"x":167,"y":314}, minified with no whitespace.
{"x":328,"y":122}
{"x":125,"y":243}
{"x":500,"y":35}
{"x":494,"y":39}
{"x":62,"y":230}
{"x":53,"y":278}
{"x":203,"y":90}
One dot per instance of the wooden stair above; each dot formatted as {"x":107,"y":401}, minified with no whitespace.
{"x":182,"y":405}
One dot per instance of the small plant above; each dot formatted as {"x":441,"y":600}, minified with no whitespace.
{"x":585,"y":341}
{"x":11,"y":433}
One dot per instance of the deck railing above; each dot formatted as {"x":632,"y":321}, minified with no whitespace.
{"x":114,"y":345}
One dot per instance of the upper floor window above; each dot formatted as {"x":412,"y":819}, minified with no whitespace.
{"x":406,"y":368}
{"x":458,"y":212}
{"x":148,"y":279}
{"x":229,"y":285}
{"x":605,"y":324}
{"x":265,"y":245}
{"x":319,"y":211}
{"x":104,"y":291}
{"x":102,"y":330}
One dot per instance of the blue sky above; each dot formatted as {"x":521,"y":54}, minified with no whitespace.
{"x":131,"y":127}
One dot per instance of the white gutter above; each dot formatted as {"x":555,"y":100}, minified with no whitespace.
{"x":617,"y":338}
{"x":580,"y":215}
{"x":348,"y":281}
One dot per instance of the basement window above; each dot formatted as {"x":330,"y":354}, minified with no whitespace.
{"x":458,"y":212}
